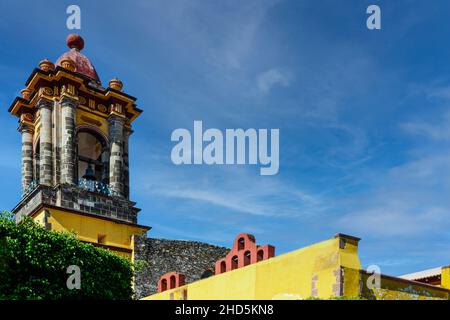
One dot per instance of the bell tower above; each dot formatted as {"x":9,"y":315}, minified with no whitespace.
{"x":75,"y":151}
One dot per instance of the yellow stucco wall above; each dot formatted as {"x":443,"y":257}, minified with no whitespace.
{"x":92,"y":119}
{"x":332,"y":265}
{"x":392,"y":288}
{"x":288,"y":276}
{"x":445,"y":277}
{"x":119,"y":237}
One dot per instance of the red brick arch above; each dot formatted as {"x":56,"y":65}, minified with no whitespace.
{"x":171,"y":280}
{"x":244,"y":252}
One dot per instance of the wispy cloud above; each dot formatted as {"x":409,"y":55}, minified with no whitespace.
{"x":215,"y":235}
{"x":238,"y":190}
{"x":396,"y":219}
{"x":269,"y":79}
{"x":406,"y":200}
{"x":438,"y":131}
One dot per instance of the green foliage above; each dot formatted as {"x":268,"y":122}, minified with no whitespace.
{"x":34,"y":262}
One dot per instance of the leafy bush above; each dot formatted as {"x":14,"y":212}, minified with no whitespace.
{"x":34,"y":262}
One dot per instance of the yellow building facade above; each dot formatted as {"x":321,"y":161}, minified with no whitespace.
{"x":328,"y":269}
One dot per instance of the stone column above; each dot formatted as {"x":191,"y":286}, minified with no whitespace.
{"x":45,"y":143}
{"x":68,"y":112}
{"x":116,"y":155}
{"x":126,"y":165}
{"x":105,"y":162}
{"x":27,"y":156}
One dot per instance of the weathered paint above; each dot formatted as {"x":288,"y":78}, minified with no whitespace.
{"x":393,"y":288}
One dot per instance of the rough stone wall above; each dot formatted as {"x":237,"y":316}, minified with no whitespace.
{"x":156,"y":257}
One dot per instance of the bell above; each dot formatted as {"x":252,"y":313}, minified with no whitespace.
{"x":89,"y":174}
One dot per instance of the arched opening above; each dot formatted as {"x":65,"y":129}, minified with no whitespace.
{"x":163,"y":285}
{"x":223,"y":267}
{"x":92,"y":161}
{"x":241,"y":244}
{"x":234,"y":262}
{"x":247,"y":256}
{"x":172,"y":282}
{"x":260,"y":255}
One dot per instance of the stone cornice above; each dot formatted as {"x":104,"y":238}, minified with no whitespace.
{"x":48,"y":83}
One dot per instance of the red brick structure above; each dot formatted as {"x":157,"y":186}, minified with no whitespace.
{"x":244,"y":252}
{"x":170,"y":280}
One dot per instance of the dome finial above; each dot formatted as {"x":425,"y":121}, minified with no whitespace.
{"x":116,"y":84}
{"x":75,"y":41}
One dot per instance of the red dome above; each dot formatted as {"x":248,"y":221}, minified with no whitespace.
{"x":82,"y":63}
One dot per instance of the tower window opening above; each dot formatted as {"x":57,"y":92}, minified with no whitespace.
{"x":90,"y":164}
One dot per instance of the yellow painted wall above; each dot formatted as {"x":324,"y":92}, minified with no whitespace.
{"x":82,"y":115}
{"x":288,"y":276}
{"x":334,"y":263}
{"x":398,"y":289}
{"x":40,"y":218}
{"x":445,"y":277}
{"x":351,"y":286}
{"x":88,"y":228}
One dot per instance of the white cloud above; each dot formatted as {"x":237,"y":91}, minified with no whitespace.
{"x":395,"y":219}
{"x":236,"y":189}
{"x":409,"y":200}
{"x":435,"y":131}
{"x":215,"y":235}
{"x":222,"y":33}
{"x":269,"y":79}
{"x":439,"y":93}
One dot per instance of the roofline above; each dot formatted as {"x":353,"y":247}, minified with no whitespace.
{"x":346,"y":236}
{"x":76,"y":74}
{"x":43,"y":206}
{"x":409,"y":281}
{"x":433,"y":272}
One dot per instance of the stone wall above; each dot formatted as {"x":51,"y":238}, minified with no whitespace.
{"x":156,"y":257}
{"x":79,"y":199}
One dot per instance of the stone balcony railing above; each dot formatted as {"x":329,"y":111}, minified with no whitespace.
{"x":33,"y":185}
{"x":95,"y":186}
{"x":95,"y":201}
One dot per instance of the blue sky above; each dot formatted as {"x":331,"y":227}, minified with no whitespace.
{"x":363,"y":115}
